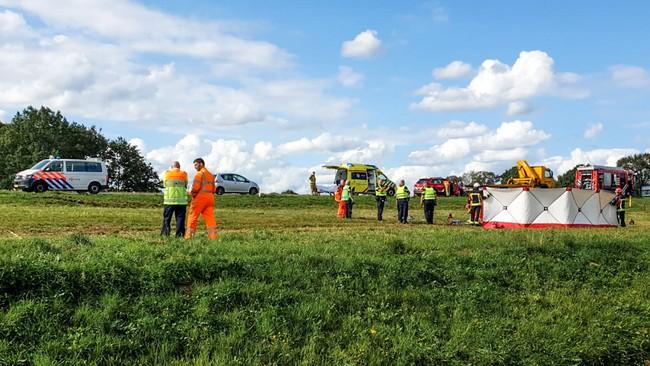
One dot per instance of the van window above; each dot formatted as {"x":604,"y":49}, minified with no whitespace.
{"x":382,"y":176}
{"x":40,"y":164}
{"x":94,"y":167}
{"x":359,"y":175}
{"x":75,"y":166}
{"x":55,"y":166}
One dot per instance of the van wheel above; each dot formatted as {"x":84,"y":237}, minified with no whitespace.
{"x":390,"y":192}
{"x":40,"y":187}
{"x":253,"y":191}
{"x":94,"y":188}
{"x":220,"y":191}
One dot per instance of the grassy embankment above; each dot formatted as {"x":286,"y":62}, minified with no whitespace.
{"x":289,"y":283}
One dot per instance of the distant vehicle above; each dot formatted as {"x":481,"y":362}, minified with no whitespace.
{"x":530,"y":176}
{"x":645,"y":191}
{"x":235,"y":183}
{"x":607,"y":178}
{"x":64,"y":175}
{"x":437,"y":182}
{"x":363,"y":177}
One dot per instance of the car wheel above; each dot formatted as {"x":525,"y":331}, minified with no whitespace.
{"x":390,"y":192}
{"x":94,"y":188}
{"x":253,"y":191}
{"x":40,"y":187}
{"x":220,"y":191}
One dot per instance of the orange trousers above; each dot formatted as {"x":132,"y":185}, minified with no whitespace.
{"x":203,"y":206}
{"x":341,"y":213}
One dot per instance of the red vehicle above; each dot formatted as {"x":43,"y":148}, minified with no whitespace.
{"x":438,"y":185}
{"x":607,"y":178}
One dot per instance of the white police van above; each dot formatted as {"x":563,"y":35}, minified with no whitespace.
{"x":64,"y":175}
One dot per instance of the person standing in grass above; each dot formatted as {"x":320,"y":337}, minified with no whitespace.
{"x":474,"y":205}
{"x":619,"y":202}
{"x":380,"y":196}
{"x":402,"y":194}
{"x":175,"y":199}
{"x":312,"y":184}
{"x":346,"y":196}
{"x":337,"y":198}
{"x":203,"y":189}
{"x":428,"y":202}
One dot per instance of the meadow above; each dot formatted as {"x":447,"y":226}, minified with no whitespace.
{"x":88,"y":280}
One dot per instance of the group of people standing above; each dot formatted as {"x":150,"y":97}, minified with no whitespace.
{"x":428,"y":200}
{"x":176,"y":199}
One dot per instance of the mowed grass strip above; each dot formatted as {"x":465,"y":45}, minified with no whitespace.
{"x":291,"y":284}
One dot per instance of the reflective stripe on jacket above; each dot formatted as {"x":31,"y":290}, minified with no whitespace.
{"x":402,"y":193}
{"x":175,"y":181}
{"x":345,"y":195}
{"x":203,"y":182}
{"x":429,"y":194}
{"x":474,"y":199}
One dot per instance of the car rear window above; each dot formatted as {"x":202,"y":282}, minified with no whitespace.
{"x":421,"y":181}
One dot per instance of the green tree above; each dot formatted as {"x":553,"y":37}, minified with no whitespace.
{"x":508,"y":174}
{"x":128,"y":170}
{"x":640,"y":165}
{"x":35,"y":134}
{"x":482,"y":177}
{"x":568,"y":178}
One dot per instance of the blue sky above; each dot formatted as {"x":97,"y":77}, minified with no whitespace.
{"x":275,"y":89}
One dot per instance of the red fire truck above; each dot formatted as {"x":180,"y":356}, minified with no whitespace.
{"x":598,"y":177}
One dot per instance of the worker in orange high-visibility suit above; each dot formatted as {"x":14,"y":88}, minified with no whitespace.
{"x":337,"y":198}
{"x":203,"y":190}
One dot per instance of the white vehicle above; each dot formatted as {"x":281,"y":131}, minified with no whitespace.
{"x":64,"y":175}
{"x":235,"y":183}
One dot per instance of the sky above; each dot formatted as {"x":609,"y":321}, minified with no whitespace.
{"x":274,"y":90}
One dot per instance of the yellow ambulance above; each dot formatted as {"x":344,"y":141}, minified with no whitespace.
{"x":363,"y":178}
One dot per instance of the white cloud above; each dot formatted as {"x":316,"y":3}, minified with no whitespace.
{"x":518,"y":108}
{"x":2,"y":115}
{"x":139,"y":144}
{"x":560,"y":164}
{"x":12,"y":24}
{"x":456,"y":69}
{"x":630,"y":76}
{"x":456,"y":129}
{"x":324,"y":142}
{"x":364,"y":45}
{"x":348,"y":77}
{"x":496,"y":83}
{"x":508,"y":141}
{"x":593,"y":130}
{"x":369,"y":151}
{"x":74,"y":63}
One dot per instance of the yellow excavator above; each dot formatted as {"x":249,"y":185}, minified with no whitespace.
{"x":530,"y":176}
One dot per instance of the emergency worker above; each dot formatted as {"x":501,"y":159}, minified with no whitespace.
{"x":346,"y":197}
{"x":447,"y":184}
{"x":203,"y":189}
{"x":474,"y":205}
{"x":175,"y":199}
{"x":428,"y":202}
{"x":380,"y":196}
{"x":312,"y":184}
{"x":337,"y":198}
{"x":402,"y":194}
{"x":619,"y":202}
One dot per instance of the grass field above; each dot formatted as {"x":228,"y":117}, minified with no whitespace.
{"x":87,"y":280}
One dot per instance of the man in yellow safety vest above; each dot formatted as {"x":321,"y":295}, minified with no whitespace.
{"x":428,"y":201}
{"x":402,"y":194}
{"x":175,"y":199}
{"x":474,"y":205}
{"x":380,"y":196}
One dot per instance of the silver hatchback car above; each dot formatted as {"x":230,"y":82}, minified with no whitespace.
{"x":235,"y":183}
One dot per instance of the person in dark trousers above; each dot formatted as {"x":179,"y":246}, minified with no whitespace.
{"x":619,"y":202}
{"x":428,"y":202}
{"x":346,"y":196}
{"x":380,"y":196}
{"x":475,"y":203}
{"x":402,"y":194}
{"x":175,"y":199}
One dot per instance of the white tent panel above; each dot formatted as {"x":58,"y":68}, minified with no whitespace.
{"x":581,"y":219}
{"x":545,"y":218}
{"x":504,"y":196}
{"x":564,"y":208}
{"x":491,"y":208}
{"x":591,"y":209}
{"x":581,"y":196}
{"x":525,"y":208}
{"x":504,"y":216}
{"x":546,"y":196}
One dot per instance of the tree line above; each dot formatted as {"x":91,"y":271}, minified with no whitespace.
{"x":35,"y":134}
